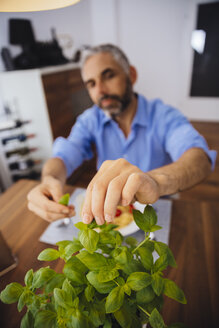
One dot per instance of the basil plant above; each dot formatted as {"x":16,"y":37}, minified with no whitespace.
{"x":107,"y":281}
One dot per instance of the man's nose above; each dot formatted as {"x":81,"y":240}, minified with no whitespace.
{"x":100,"y":89}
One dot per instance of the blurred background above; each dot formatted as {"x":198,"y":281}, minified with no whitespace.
{"x":172,"y":43}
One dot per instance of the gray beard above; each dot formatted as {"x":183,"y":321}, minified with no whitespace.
{"x":124,"y":102}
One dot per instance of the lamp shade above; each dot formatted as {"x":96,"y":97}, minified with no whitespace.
{"x":33,"y":5}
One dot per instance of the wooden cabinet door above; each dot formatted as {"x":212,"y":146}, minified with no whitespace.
{"x":66,"y":98}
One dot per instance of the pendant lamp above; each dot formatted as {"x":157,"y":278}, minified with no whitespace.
{"x":33,"y":5}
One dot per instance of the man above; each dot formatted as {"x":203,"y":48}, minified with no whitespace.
{"x":145,"y":149}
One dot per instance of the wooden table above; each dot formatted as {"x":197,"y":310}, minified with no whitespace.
{"x":193,"y":240}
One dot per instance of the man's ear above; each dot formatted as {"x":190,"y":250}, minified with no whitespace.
{"x":133,"y":74}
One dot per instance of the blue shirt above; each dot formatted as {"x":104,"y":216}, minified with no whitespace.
{"x":159,"y":135}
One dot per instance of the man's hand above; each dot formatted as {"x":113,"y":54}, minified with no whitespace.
{"x":117,"y":182}
{"x":43,"y":200}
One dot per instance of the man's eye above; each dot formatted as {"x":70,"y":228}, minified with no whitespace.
{"x":90,"y":85}
{"x":109,"y":75}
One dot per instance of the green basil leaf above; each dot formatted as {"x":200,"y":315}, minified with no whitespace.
{"x":155,"y":228}
{"x":79,"y":320}
{"x":173,"y":291}
{"x":107,"y":273}
{"x":63,"y":243}
{"x":89,"y":293}
{"x":89,"y":239}
{"x":81,"y":226}
{"x":25,"y":298}
{"x":75,"y":276}
{"x":64,"y":199}
{"x":61,"y":298}
{"x":92,"y":261}
{"x":140,"y":220}
{"x":27,"y":320}
{"x":122,"y":255}
{"x":45,"y":319}
{"x":97,"y":313}
{"x":107,"y":323}
{"x":48,"y":254}
{"x":127,"y":289}
{"x":117,"y":235}
{"x":11,"y":293}
{"x":114,"y":300}
{"x":132,"y":266}
{"x":55,"y":282}
{"x":162,"y":249}
{"x":146,"y":257}
{"x":28,"y":279}
{"x":101,"y":287}
{"x":120,"y":281}
{"x":157,"y":283}
{"x":139,"y":280}
{"x":75,"y":271}
{"x":150,"y":215}
{"x":124,"y":317}
{"x":106,"y":238}
{"x":131,"y":241}
{"x":156,"y":320}
{"x":41,"y":277}
{"x":72,"y":248}
{"x":145,"y":295}
{"x":161,"y":263}
{"x":75,"y":264}
{"x":157,"y":303}
{"x":69,"y":289}
{"x":93,"y":225}
{"x":110,"y":226}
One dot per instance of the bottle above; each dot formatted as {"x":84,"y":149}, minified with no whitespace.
{"x":23,"y":165}
{"x":8,"y":125}
{"x":20,"y":137}
{"x":21,"y":151}
{"x":34,"y":175}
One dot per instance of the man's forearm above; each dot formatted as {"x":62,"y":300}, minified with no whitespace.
{"x":192,"y":167}
{"x":54,"y":167}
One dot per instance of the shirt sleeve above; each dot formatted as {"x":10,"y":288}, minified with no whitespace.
{"x":77,"y":147}
{"x":180,"y":136}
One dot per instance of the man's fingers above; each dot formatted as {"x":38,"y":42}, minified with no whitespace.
{"x":48,"y":216}
{"x":113,"y":196}
{"x":131,"y":187}
{"x":142,"y":187}
{"x":87,"y":215}
{"x":46,"y":204}
{"x":105,"y":190}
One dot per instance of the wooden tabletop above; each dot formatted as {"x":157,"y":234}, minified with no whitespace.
{"x":193,"y":239}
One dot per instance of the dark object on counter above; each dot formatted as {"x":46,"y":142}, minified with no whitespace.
{"x":13,"y":124}
{"x":21,"y":33}
{"x":49,"y":53}
{"x":20,"y":137}
{"x":7,"y":59}
{"x":20,"y":151}
{"x":7,"y":260}
{"x":35,"y":54}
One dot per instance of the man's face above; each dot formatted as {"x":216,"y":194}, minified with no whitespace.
{"x":108,"y":85}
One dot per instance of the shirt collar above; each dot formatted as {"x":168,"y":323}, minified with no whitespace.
{"x":141,"y":116}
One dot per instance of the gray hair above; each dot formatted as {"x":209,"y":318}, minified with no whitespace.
{"x":115,"y":51}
